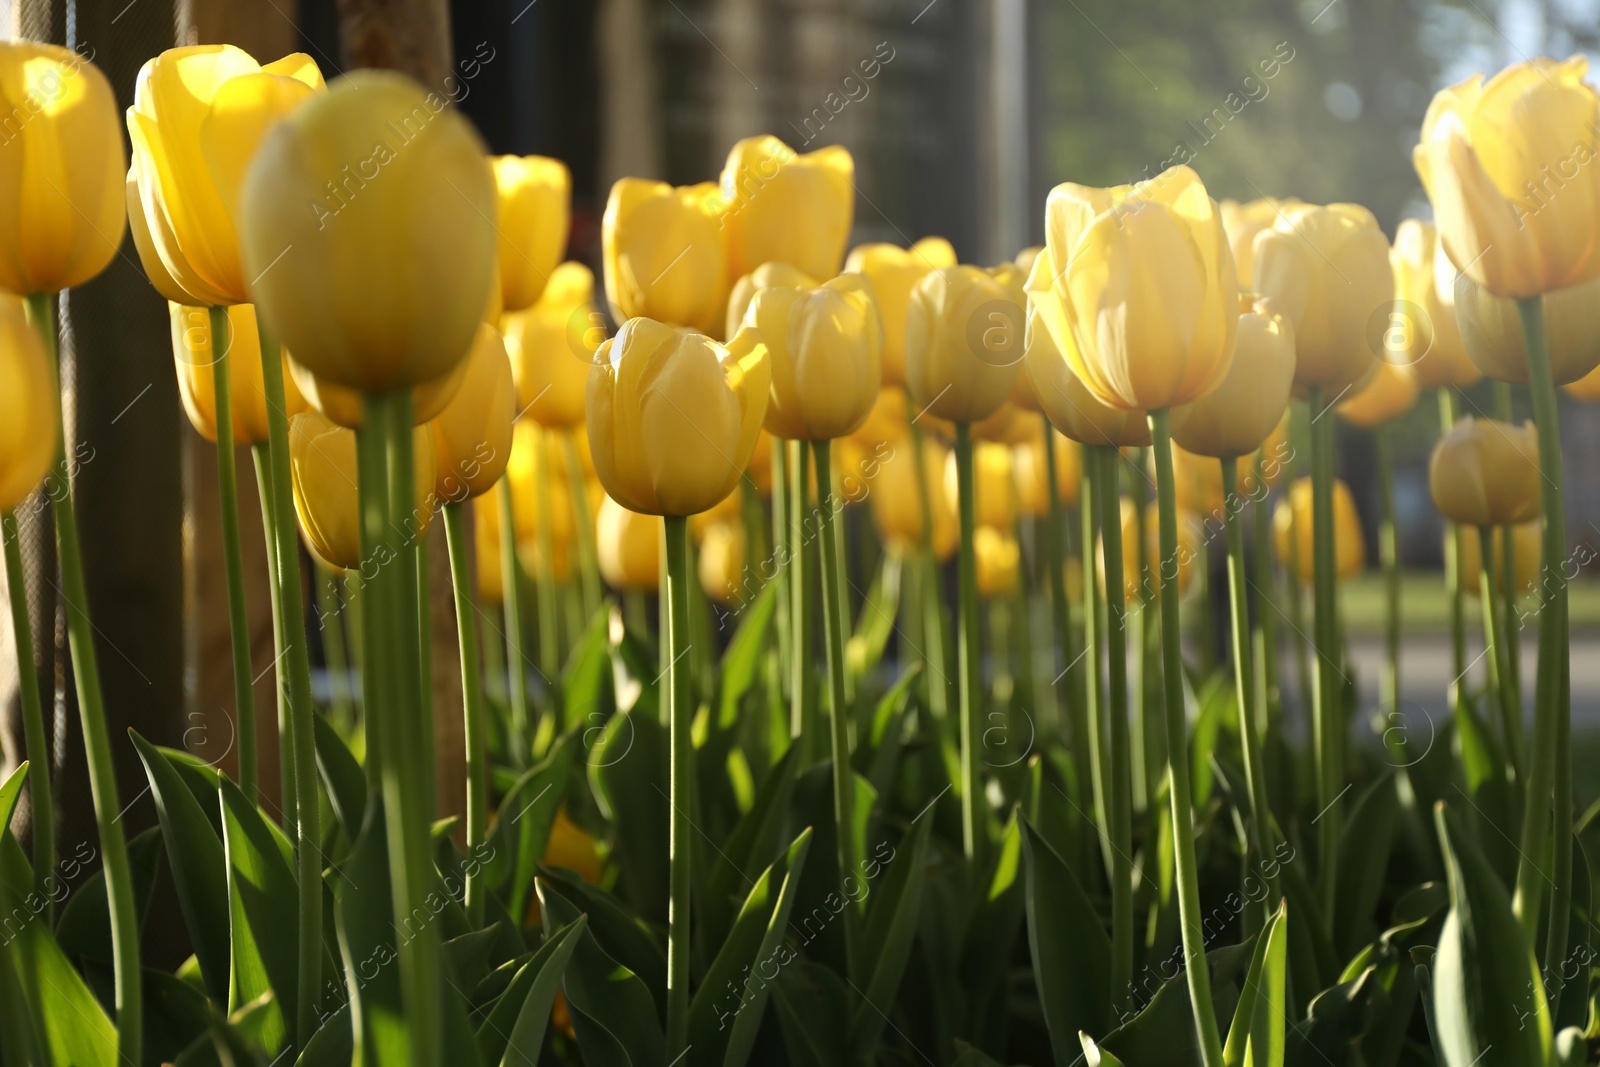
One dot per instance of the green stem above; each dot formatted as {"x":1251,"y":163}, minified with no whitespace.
{"x":935,"y":647}
{"x":1089,"y":734}
{"x":783,"y":555}
{"x":1556,"y":947}
{"x":1119,"y":801}
{"x":291,"y":620}
{"x":1452,"y":570}
{"x":968,"y":664}
{"x":372,"y":487}
{"x":1499,"y":668}
{"x":44,"y":809}
{"x":474,"y":713}
{"x":1327,"y":715}
{"x":1254,"y":763}
{"x":516,"y":657}
{"x":1263,"y":597}
{"x":262,"y":456}
{"x":680,"y":716}
{"x":422,"y":627}
{"x":1551,"y":718}
{"x":1060,"y":617}
{"x":330,"y":616}
{"x":545,"y":572}
{"x":238,"y":616}
{"x":1508,"y":565}
{"x":588,"y":560}
{"x":1180,"y":791}
{"x":1389,"y":558}
{"x":802,"y":710}
{"x":833,"y":621}
{"x":92,"y":713}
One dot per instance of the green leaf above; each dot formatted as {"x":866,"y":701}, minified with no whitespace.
{"x":84,"y":929}
{"x":513,"y":1030}
{"x":10,"y":790}
{"x":991,"y":935}
{"x":364,"y":912}
{"x":753,"y":948}
{"x":747,"y":849}
{"x":1256,"y":1037}
{"x":1094,"y":1055}
{"x":1070,"y":949}
{"x":265,"y":909}
{"x":1488,"y":996}
{"x":341,"y":773}
{"x":1363,"y":860}
{"x":811,"y":999}
{"x":741,"y":663}
{"x":586,"y":678}
{"x":522,"y":827}
{"x":876,"y":621}
{"x":879,"y":757}
{"x":332,"y":1045}
{"x":892,"y":912}
{"x":628,"y":775}
{"x":199,"y":865}
{"x":614,"y":929}
{"x":1217,"y":703}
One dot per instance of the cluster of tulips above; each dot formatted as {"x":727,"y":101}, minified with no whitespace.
{"x":379,"y":311}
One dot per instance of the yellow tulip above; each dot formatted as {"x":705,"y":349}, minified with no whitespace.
{"x":61,"y":169}
{"x":664,"y":254}
{"x":1491,"y":330}
{"x":1008,"y":425}
{"x":1024,"y":259}
{"x":535,"y":197}
{"x":1190,"y":547}
{"x":766,"y":276}
{"x":28,"y":401}
{"x":1507,"y":166}
{"x":999,"y":561}
{"x":673,"y":416}
{"x":895,"y":271}
{"x":1152,"y":259}
{"x":1199,"y":488}
{"x":1033,"y":473}
{"x":472,"y":435}
{"x":825,"y":347}
{"x":486,"y":547}
{"x":1525,"y":552}
{"x":367,"y":230}
{"x":1387,"y":394}
{"x":897,"y":503}
{"x":552,"y":346}
{"x":791,"y":208}
{"x":1423,"y":331}
{"x":1238,"y":415}
{"x":1486,"y":473}
{"x":322,"y":458}
{"x":199,"y":116}
{"x":1242,"y":222}
{"x":728,"y":509}
{"x":537,"y":474}
{"x":347,"y":407}
{"x":1275,"y":452}
{"x":722,"y":551}
{"x":629,"y":547}
{"x":1293,"y":514}
{"x":193,"y":355}
{"x":155,"y":271}
{"x":994,"y":483}
{"x":964,"y":343}
{"x":1586,"y":388}
{"x":1327,"y":271}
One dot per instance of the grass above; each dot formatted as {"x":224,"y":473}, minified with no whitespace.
{"x":1425,"y":606}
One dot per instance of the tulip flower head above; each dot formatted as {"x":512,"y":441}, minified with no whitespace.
{"x":1033,"y":472}
{"x":1507,"y":165}
{"x":994,"y":482}
{"x":1486,"y":473}
{"x":1388,"y":393}
{"x":486,"y":547}
{"x":535,"y":195}
{"x":782,"y":206}
{"x":897,"y":504}
{"x":999,"y":561}
{"x":381,"y":282}
{"x":1491,"y":331}
{"x":895,"y":271}
{"x":195,"y":355}
{"x":1525,"y":552}
{"x":346,"y":407}
{"x":628,"y":545}
{"x":28,"y":433}
{"x":673,"y":416}
{"x":964,"y":343}
{"x":722,"y":553}
{"x":62,"y":164}
{"x":1148,"y":297}
{"x":1191,"y":545}
{"x":772,"y":275}
{"x":1422,"y":328}
{"x":1242,"y":222}
{"x":664,"y":253}
{"x":472,"y":435}
{"x":1292,"y":519}
{"x":1327,"y":271}
{"x":1238,"y":415}
{"x":551,"y":346}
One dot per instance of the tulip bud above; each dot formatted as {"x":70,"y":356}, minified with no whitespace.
{"x":28,"y":433}
{"x":1491,"y":330}
{"x":1190,"y":547}
{"x":1241,"y":222}
{"x":964,"y":343}
{"x":367,"y":232}
{"x":472,"y":435}
{"x":673,"y":416}
{"x":347,"y":407}
{"x":994,"y":484}
{"x":1422,"y":328}
{"x":1153,"y":258}
{"x":722,"y":551}
{"x":1292,"y":517}
{"x":895,"y":271}
{"x":664,"y":254}
{"x":1327,"y":271}
{"x":1525,"y":551}
{"x":897,"y":502}
{"x":322,"y":459}
{"x":766,"y":276}
{"x":535,"y":195}
{"x":1506,"y":165}
{"x":1486,"y":473}
{"x":1387,"y":394}
{"x":551,"y":346}
{"x":825,"y":348}
{"x":1239,"y":414}
{"x":791,"y":208}
{"x":62,"y":164}
{"x":195,"y":357}
{"x":999,"y":561}
{"x":629,"y":547}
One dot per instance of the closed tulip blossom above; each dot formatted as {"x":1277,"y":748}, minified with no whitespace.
{"x":721,"y":564}
{"x":62,"y":164}
{"x":193,"y":352}
{"x":772,"y":275}
{"x":895,"y":271}
{"x":999,"y":562}
{"x":964,"y":343}
{"x":897,"y":506}
{"x":996,"y":502}
{"x":673,"y":416}
{"x":1491,"y":331}
{"x":1238,"y":415}
{"x":825,"y":349}
{"x":472,"y":435}
{"x":1507,"y":165}
{"x":344,"y":405}
{"x":534,"y":196}
{"x":383,"y":287}
{"x":1388,"y":393}
{"x":1032,"y":472}
{"x":199,"y":117}
{"x":664,"y":253}
{"x":629,"y":547}
{"x":1486,"y":473}
{"x":1326,"y":269}
{"x":552,"y":346}
{"x":28,"y":434}
{"x":786,"y":207}
{"x":1292,"y":518}
{"x":1242,"y":222}
{"x":1425,"y":311}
